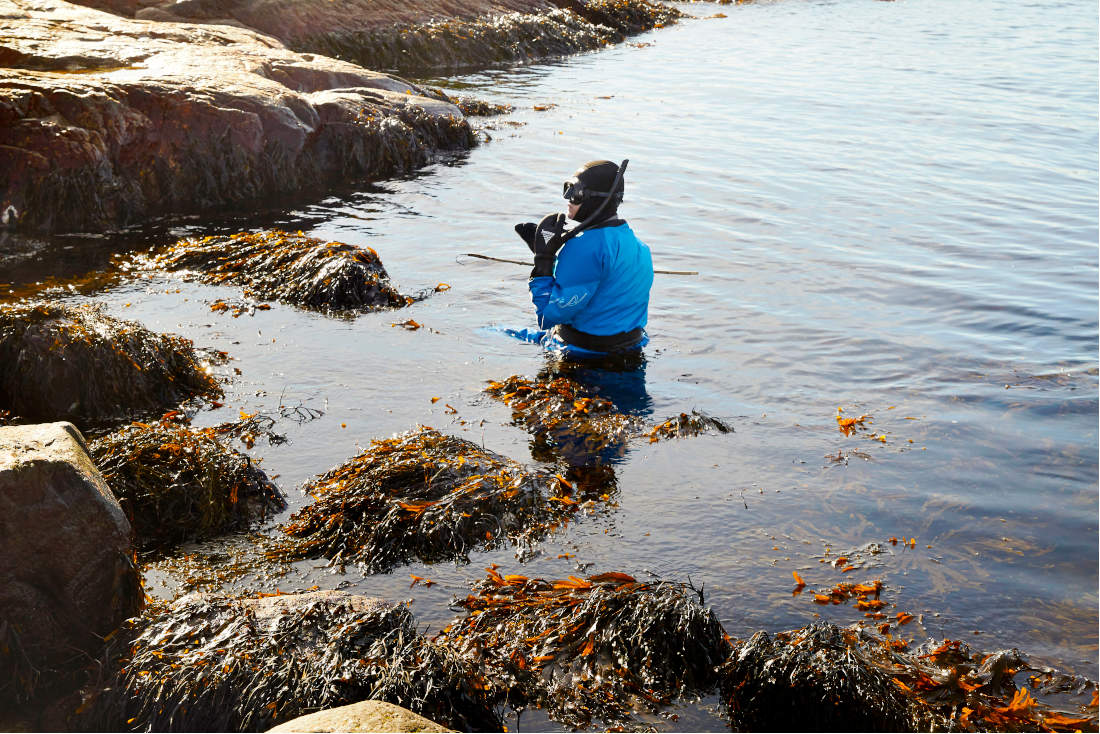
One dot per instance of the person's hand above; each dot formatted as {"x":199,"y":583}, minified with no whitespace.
{"x":526,"y":232}
{"x":547,"y":242}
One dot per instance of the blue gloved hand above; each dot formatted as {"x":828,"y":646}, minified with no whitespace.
{"x":546,"y":242}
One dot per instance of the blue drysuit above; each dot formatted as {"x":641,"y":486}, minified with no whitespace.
{"x":600,"y":285}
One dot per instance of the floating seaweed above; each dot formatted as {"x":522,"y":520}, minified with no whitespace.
{"x":61,"y":362}
{"x":473,"y":107}
{"x":823,"y":677}
{"x":589,"y":648}
{"x":687,"y":424}
{"x":177,"y":484}
{"x":275,"y":265}
{"x":427,"y":496}
{"x":211,"y":663}
{"x":506,"y":38}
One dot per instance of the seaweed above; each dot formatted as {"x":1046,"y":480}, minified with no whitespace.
{"x":76,"y":363}
{"x":473,"y":107}
{"x":292,"y":268}
{"x":454,"y":44}
{"x":589,"y":648}
{"x":177,"y":484}
{"x":687,"y":424}
{"x":824,"y":677}
{"x":428,"y":496}
{"x":211,"y":663}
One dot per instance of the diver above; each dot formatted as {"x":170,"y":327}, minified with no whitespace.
{"x":590,"y":284}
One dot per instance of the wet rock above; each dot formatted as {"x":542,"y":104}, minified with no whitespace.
{"x":106,"y":121}
{"x":420,"y":35}
{"x":303,"y":271}
{"x":177,"y":484}
{"x":365,"y":716}
{"x":215,"y":663}
{"x":77,"y":363}
{"x":597,"y":648}
{"x":427,"y":496}
{"x":67,"y":578}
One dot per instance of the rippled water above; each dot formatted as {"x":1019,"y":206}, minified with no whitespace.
{"x":893,"y":210}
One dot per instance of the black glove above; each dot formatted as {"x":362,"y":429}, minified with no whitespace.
{"x":547,"y":240}
{"x":526,"y":232}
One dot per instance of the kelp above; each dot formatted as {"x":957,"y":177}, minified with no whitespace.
{"x":209,"y":663}
{"x":76,"y":363}
{"x":595,"y":648}
{"x":177,"y":484}
{"x":427,"y":496}
{"x":288,"y":267}
{"x":447,"y":45}
{"x":823,"y":677}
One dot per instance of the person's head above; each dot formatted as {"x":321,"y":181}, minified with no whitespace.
{"x":590,"y":187}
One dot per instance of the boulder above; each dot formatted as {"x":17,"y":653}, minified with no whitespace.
{"x":106,"y":121}
{"x":67,"y":578}
{"x":363,"y":716}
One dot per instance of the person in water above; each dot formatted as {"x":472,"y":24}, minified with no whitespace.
{"x":590,"y":284}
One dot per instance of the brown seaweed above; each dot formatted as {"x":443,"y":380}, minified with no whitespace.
{"x":283,"y":266}
{"x":428,"y":496}
{"x":177,"y":484}
{"x":222,"y":664}
{"x":594,"y":648}
{"x":76,"y":363}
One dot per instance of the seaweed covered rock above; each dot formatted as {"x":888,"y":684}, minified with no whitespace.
{"x":428,"y":496}
{"x":596,"y":648}
{"x":177,"y":484}
{"x":274,"y":265}
{"x":823,"y":677}
{"x":573,"y":421}
{"x":76,"y":363}
{"x":214,"y":663}
{"x":107,"y":121}
{"x":67,"y":578}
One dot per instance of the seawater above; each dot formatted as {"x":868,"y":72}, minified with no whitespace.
{"x":892,"y":207}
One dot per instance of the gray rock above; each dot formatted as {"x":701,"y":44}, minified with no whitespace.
{"x":67,"y":578}
{"x":363,"y":716}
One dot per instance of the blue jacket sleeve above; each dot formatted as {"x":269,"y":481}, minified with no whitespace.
{"x":576,"y":278}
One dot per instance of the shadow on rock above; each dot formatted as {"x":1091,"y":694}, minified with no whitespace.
{"x":76,"y":363}
{"x":213,"y":663}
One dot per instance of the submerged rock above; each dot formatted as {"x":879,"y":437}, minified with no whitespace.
{"x":67,"y":578}
{"x":61,"y":362}
{"x":365,"y":716}
{"x":177,"y":484}
{"x":597,"y":648}
{"x":428,"y":496}
{"x":106,"y":121}
{"x":274,"y":265}
{"x":825,"y":678}
{"x":215,"y":663}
